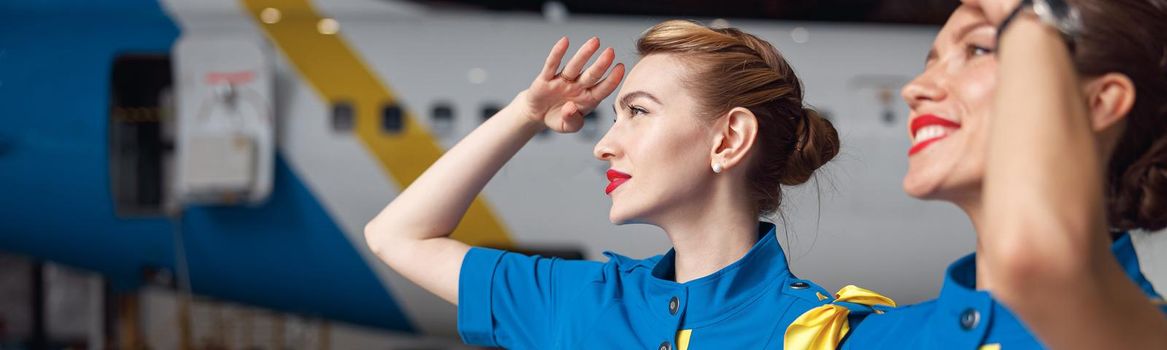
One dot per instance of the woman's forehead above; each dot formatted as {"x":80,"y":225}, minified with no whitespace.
{"x":658,"y":74}
{"x":964,"y":20}
{"x":961,"y":20}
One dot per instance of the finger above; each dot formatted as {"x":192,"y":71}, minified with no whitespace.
{"x":556,"y":55}
{"x":575,"y":65}
{"x":592,"y":76}
{"x":568,"y":110}
{"x":609,"y":84}
{"x":571,"y":117}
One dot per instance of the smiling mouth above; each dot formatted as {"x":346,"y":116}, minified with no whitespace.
{"x":615,"y":179}
{"x":928,"y":129}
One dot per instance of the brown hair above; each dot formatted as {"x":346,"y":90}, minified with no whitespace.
{"x":1130,"y":37}
{"x":732,"y":69}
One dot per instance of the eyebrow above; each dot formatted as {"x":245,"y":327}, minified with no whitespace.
{"x":626,"y":99}
{"x":960,"y":33}
{"x":963,"y":31}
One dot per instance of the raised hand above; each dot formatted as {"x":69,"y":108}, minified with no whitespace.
{"x":559,"y":99}
{"x":413,"y":233}
{"x":995,"y":10}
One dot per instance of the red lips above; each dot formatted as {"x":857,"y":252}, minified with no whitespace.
{"x":927,"y":120}
{"x":615,"y":179}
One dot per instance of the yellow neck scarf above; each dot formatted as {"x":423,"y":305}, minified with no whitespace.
{"x":823,"y":327}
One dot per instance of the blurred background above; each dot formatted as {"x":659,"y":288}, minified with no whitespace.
{"x":181,"y":174}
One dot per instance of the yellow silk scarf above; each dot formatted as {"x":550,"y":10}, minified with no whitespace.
{"x":823,"y":327}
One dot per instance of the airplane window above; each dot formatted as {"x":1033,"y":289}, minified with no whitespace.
{"x":563,"y":252}
{"x":442,"y":117}
{"x":889,"y":116}
{"x":342,"y":116}
{"x":490,"y":109}
{"x":392,"y":118}
{"x":887,"y":98}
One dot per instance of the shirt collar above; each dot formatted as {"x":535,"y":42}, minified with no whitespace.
{"x":964,"y":313}
{"x":961,"y":277}
{"x":715,"y":296}
{"x":960,"y":298}
{"x":1124,"y":251}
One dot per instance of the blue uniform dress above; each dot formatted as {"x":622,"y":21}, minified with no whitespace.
{"x":529,"y":302}
{"x":966,"y":318}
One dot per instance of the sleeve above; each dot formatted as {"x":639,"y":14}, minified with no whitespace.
{"x":511,"y":300}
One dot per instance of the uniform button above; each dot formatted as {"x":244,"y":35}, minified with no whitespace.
{"x":674,"y":304}
{"x":799,"y":285}
{"x":665,"y":346}
{"x":969,"y":319}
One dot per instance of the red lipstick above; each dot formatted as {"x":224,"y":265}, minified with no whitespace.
{"x":921,"y":146}
{"x":615,"y":179}
{"x":924,"y":121}
{"x":929,"y":119}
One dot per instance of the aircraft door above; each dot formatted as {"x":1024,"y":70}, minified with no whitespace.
{"x":225,"y":131}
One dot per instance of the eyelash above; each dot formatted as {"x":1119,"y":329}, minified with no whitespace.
{"x":633,"y":111}
{"x":972,"y":50}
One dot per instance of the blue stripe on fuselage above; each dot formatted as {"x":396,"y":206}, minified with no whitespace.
{"x":55,"y":198}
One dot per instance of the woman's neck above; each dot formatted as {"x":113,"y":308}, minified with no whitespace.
{"x":707,"y":238}
{"x":973,"y":209}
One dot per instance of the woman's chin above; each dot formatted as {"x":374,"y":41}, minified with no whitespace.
{"x":951,"y":188}
{"x":921,"y":187}
{"x":616,"y":218}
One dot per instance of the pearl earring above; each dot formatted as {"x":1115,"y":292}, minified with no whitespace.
{"x":717,"y":168}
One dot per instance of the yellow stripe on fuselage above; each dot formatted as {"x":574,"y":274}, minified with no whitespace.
{"x":338,"y":74}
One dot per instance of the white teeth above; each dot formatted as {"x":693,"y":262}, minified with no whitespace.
{"x":930,"y":132}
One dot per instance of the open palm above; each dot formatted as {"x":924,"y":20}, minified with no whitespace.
{"x":559,"y":100}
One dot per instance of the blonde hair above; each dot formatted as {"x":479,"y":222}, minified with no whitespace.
{"x":731,"y":68}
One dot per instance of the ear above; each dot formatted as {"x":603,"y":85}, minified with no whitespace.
{"x":1111,"y":97}
{"x":734,"y":137}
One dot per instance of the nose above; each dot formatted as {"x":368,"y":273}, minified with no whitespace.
{"x":607,"y":148}
{"x":926,"y":87}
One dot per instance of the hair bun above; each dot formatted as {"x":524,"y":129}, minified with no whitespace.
{"x":1141,"y":199}
{"x":817,"y":143}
